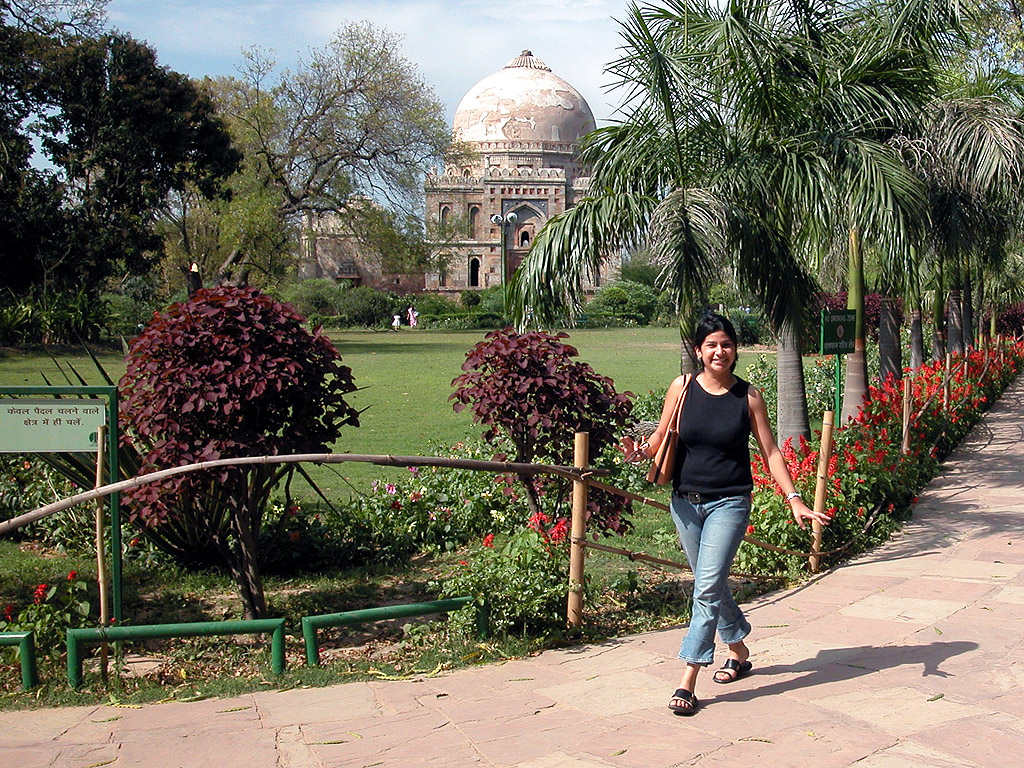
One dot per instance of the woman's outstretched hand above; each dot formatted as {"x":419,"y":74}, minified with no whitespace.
{"x":632,"y":450}
{"x":802,"y":512}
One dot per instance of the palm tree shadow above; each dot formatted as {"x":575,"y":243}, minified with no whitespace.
{"x":839,"y":664}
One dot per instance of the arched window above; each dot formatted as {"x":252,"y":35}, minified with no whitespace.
{"x":474,"y":214}
{"x":524,"y":239}
{"x":474,"y":272}
{"x":445,"y":212}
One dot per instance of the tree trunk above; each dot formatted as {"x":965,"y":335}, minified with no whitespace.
{"x":793,"y":420}
{"x":855,"y":388}
{"x":968,"y":316}
{"x":246,"y":567}
{"x":916,"y":335}
{"x":939,"y":325}
{"x":890,"y":351}
{"x":955,"y":327}
{"x":687,"y":353}
{"x":532,"y":497}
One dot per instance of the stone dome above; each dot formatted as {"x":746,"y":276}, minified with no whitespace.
{"x":524,"y":101}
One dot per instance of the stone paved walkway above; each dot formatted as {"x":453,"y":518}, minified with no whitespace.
{"x":910,"y":657}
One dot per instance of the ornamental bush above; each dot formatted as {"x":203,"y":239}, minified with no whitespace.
{"x":526,"y":388}
{"x":55,"y":608}
{"x":521,"y":577}
{"x":228,"y":373}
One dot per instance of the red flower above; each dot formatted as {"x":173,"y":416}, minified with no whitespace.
{"x":538,"y":521}
{"x":559,"y":530}
{"x":72,"y":575}
{"x":396,"y":504}
{"x":488,"y":540}
{"x":9,"y":612}
{"x":750,"y":530}
{"x":40,"y":594}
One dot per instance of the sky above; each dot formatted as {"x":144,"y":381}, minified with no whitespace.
{"x":453,"y":43}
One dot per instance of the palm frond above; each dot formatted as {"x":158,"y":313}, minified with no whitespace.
{"x":548,"y":284}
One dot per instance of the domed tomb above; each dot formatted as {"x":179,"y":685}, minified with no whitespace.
{"x":524,"y":102}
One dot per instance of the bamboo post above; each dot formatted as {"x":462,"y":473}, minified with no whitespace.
{"x":577,"y":552}
{"x":102,"y":576}
{"x":821,"y":487}
{"x":907,"y":392}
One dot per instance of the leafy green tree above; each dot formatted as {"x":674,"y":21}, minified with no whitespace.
{"x":349,"y":133}
{"x":93,"y":135}
{"x":626,"y":300}
{"x":971,"y":157}
{"x":122,"y":133}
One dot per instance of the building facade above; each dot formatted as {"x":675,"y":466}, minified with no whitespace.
{"x":522,"y":124}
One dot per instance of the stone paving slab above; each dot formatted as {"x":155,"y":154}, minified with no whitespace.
{"x":911,"y":656}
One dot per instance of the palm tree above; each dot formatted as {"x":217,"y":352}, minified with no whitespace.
{"x":970,"y":156}
{"x":747,"y":132}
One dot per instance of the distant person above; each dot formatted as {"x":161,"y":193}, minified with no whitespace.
{"x":711,"y":488}
{"x":412,"y":315}
{"x":396,"y":322}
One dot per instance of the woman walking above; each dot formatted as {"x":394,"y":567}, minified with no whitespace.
{"x":712,"y":483}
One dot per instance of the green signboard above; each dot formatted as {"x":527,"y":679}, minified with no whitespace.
{"x":50,"y":426}
{"x":837,"y":332}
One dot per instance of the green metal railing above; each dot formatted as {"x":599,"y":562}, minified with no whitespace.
{"x":26,"y":652}
{"x":78,"y":638}
{"x":310,"y":624}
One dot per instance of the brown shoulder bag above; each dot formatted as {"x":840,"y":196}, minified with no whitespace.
{"x":664,"y":460}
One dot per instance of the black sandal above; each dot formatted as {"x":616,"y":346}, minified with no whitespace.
{"x":734,"y":669}
{"x":689,"y":705}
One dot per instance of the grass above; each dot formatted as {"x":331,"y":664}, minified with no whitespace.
{"x":405,"y":380}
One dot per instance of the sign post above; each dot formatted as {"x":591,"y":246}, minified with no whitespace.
{"x":837,"y":335}
{"x":41,"y":420}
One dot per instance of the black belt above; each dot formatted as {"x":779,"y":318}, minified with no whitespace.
{"x":704,"y":498}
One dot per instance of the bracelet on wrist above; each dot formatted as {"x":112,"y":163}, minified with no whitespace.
{"x":793,"y":495}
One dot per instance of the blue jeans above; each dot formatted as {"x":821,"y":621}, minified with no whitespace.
{"x":710,"y":533}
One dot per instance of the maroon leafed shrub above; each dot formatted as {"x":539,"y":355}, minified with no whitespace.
{"x":1010,"y":322}
{"x":228,"y":373}
{"x":527,"y":388}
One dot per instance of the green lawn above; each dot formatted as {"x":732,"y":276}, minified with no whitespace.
{"x":405,"y":380}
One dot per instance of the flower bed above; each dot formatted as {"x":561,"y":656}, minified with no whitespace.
{"x":872,"y":485}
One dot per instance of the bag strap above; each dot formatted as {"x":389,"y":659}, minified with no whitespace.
{"x":677,"y":412}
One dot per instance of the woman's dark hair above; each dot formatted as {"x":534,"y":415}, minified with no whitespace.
{"x":711,"y":322}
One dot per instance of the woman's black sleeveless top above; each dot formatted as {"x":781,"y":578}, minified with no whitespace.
{"x":713,"y":456}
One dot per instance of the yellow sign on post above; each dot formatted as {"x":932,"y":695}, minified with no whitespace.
{"x":50,"y":426}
